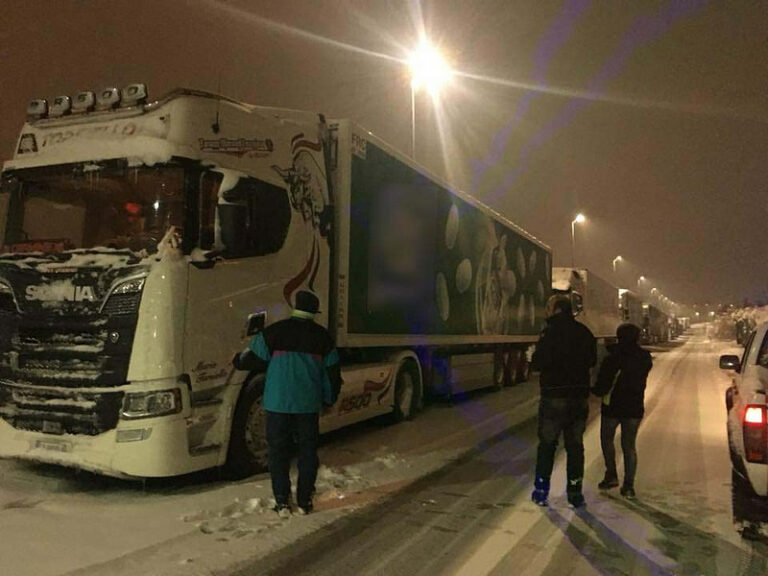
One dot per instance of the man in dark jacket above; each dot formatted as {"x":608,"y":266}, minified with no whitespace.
{"x":621,"y":383}
{"x":303,"y":375}
{"x":564,"y":355}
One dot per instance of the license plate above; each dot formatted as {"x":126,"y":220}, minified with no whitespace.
{"x":54,"y":446}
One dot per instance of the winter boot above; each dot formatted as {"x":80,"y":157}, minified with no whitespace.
{"x":283,"y":510}
{"x":305,"y":508}
{"x":573,"y":492}
{"x":628,"y":492}
{"x":608,"y":482}
{"x":540,"y":492}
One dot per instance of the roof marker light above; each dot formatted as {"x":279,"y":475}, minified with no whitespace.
{"x":62,"y":105}
{"x":37,"y":109}
{"x":134,"y":94}
{"x":84,"y":102}
{"x":108,"y":98}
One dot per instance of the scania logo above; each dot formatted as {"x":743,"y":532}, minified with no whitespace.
{"x":54,"y":292}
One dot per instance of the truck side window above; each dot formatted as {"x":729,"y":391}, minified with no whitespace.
{"x":209,"y":197}
{"x":255,"y":219}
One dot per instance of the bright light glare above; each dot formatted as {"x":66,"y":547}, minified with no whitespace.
{"x":580,"y":218}
{"x":754,"y":415}
{"x":428,"y":69}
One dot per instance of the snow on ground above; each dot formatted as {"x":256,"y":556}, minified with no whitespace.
{"x":55,"y":521}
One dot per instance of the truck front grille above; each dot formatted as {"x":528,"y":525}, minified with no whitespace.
{"x":66,"y":351}
{"x":57,"y":411}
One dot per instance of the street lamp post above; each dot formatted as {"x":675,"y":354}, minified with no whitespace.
{"x":617,"y":259}
{"x":430,"y":71}
{"x":578,"y":220}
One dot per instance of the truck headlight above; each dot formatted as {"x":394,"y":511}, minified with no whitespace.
{"x":124,"y":298}
{"x":151,"y":404}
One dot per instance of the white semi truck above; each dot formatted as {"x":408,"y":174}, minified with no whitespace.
{"x":145,"y":243}
{"x":595,"y":301}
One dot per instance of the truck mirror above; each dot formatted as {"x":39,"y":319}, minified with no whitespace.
{"x":730,"y":362}
{"x":233,"y":221}
{"x":256,"y":322}
{"x":577,"y":303}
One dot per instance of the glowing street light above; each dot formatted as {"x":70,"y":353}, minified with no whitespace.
{"x":580,"y":219}
{"x":428,"y":71}
{"x":617,"y":259}
{"x":640,"y":281}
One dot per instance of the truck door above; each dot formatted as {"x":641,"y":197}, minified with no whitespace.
{"x":266,"y":251}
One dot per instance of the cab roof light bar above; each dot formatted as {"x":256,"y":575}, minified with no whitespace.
{"x":87,"y":101}
{"x":133,"y":95}
{"x":37,"y":109}
{"x":107,"y":99}
{"x":62,"y":105}
{"x":84,"y":102}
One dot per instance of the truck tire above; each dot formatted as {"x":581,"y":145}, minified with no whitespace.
{"x":501,"y":369}
{"x":247,"y":454}
{"x":407,"y":390}
{"x":521,"y":367}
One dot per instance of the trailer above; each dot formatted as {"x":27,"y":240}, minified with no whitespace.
{"x":146,"y":242}
{"x":655,"y":327}
{"x":631,"y":307}
{"x":595,"y":301}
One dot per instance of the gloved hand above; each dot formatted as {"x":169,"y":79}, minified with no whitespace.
{"x":236,"y":361}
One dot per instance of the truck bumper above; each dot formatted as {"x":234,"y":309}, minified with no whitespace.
{"x":152,"y":447}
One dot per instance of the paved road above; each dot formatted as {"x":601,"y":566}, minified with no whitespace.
{"x":473,"y":517}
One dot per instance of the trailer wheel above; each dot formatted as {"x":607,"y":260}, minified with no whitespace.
{"x":501,"y":369}
{"x":247,"y":454}
{"x":407,"y":387}
{"x":519,"y":366}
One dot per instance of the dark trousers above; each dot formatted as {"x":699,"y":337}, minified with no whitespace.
{"x":629,"y":427}
{"x":569,"y":417}
{"x":281,"y":431}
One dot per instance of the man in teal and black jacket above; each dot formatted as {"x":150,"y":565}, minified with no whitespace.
{"x":303,"y":375}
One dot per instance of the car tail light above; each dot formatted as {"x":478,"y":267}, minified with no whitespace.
{"x":756,"y":433}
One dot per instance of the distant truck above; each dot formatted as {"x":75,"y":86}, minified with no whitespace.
{"x":595,"y":301}
{"x":145,"y":243}
{"x":631,"y":307}
{"x":655,"y":327}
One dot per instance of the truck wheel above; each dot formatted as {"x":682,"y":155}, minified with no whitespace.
{"x":501,"y":365}
{"x":407,"y":387}
{"x":521,"y":367}
{"x":247,"y":454}
{"x":742,"y":498}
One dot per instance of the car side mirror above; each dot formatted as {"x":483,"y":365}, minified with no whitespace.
{"x":730,"y":362}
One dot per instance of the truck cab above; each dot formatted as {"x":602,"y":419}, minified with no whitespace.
{"x":143,"y":243}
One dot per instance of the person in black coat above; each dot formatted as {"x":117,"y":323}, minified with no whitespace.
{"x":565,"y":353}
{"x":621,"y":382}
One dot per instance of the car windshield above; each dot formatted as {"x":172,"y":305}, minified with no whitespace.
{"x":71,"y":206}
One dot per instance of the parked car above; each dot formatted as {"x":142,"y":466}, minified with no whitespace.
{"x":747,"y":407}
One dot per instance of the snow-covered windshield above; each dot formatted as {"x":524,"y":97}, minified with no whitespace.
{"x":73,"y":206}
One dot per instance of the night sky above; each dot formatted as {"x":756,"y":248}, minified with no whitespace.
{"x":649,"y":117}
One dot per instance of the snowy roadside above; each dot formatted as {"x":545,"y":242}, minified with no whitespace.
{"x":211,"y":528}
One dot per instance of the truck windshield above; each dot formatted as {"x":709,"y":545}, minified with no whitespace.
{"x":71,"y":206}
